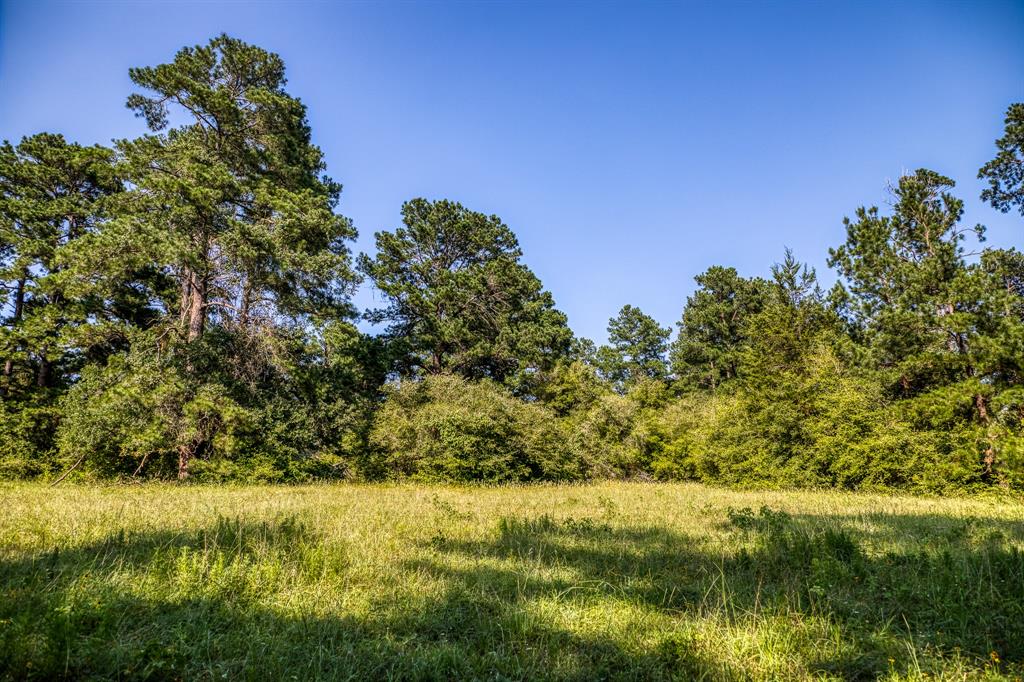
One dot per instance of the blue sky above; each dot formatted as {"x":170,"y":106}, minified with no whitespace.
{"x":630,"y":146}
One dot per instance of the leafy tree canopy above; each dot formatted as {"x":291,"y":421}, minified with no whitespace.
{"x":1005,"y":173}
{"x":229,"y":210}
{"x":712,"y":332}
{"x":50,"y":196}
{"x":637,"y":347}
{"x":460,"y":300}
{"x":904,"y":272}
{"x":232,"y":203}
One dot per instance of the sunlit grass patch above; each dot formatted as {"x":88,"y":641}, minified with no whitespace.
{"x":608,"y":581}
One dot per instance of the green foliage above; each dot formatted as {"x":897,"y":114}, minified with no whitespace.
{"x":26,"y":438}
{"x":246,"y":225}
{"x":232,"y":212}
{"x":459,"y":299}
{"x":613,"y":433}
{"x":712,"y":332}
{"x":181,"y":305}
{"x":802,"y":413}
{"x":817,"y":429}
{"x":572,"y":386}
{"x":144,"y":407}
{"x":51,"y":196}
{"x":1005,"y":173}
{"x":943,"y":334}
{"x":905,"y":273}
{"x":637,"y":346}
{"x":606,"y":434}
{"x":237,"y":407}
{"x":445,"y":428}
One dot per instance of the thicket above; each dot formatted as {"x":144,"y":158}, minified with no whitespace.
{"x":180,"y":305}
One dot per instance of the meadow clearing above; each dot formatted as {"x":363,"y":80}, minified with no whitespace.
{"x":601,"y":581}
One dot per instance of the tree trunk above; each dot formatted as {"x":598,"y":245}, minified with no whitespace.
{"x":197,"y":311}
{"x":979,"y":403}
{"x":43,"y":376}
{"x":988,"y":458}
{"x":195,"y":288}
{"x":8,"y":368}
{"x":192,"y":315}
{"x":19,"y":297}
{"x":245,"y":303}
{"x":184,"y":455}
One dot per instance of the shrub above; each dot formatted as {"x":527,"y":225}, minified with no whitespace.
{"x":445,"y":428}
{"x":821,"y":425}
{"x":26,"y":439}
{"x":616,"y":435}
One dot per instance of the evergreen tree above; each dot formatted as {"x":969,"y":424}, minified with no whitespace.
{"x":1005,"y":173}
{"x":712,"y":332}
{"x":51,"y":193}
{"x":794,"y":317}
{"x":787,"y":369}
{"x":943,"y":334}
{"x":232,"y":209}
{"x":637,"y":347}
{"x":233,"y":202}
{"x":460,"y":300}
{"x":902,"y":273}
{"x":583,"y":350}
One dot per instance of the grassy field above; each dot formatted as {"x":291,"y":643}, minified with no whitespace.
{"x":607,"y":581}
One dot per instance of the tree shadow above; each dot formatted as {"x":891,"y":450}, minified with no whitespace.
{"x":953,"y":531}
{"x":962,"y":598}
{"x":193,"y":604}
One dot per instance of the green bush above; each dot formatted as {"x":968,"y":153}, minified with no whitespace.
{"x":293,"y":419}
{"x":26,"y":439}
{"x":445,"y":428}
{"x":139,"y":411}
{"x":819,"y":426}
{"x":606,"y":436}
{"x":686,"y":434}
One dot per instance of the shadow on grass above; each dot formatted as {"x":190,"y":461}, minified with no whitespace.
{"x":187,"y":605}
{"x":962,"y":599}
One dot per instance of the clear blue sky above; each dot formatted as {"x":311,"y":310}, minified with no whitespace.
{"x":630,"y":146}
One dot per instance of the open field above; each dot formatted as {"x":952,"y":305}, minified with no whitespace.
{"x":611,"y":580}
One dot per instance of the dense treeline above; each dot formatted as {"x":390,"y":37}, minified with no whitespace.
{"x":180,"y":305}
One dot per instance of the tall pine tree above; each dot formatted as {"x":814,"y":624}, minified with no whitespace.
{"x":460,"y":300}
{"x":233,"y":211}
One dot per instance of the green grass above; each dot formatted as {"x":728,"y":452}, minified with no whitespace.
{"x":619,"y":581}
